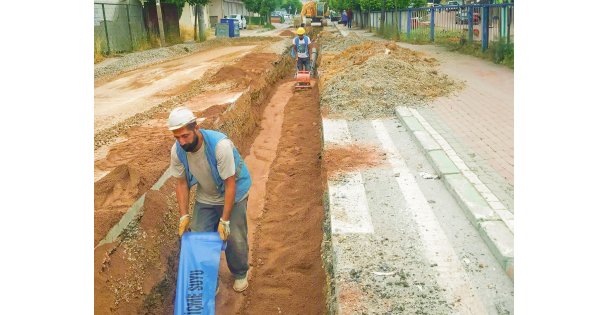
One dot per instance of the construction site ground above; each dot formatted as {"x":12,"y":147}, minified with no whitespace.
{"x":354,"y":206}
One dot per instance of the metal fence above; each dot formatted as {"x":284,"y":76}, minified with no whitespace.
{"x":119,"y":27}
{"x":478,"y":22}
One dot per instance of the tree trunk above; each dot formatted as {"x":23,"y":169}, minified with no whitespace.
{"x":195,"y":20}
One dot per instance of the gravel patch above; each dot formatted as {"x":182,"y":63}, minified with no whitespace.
{"x":368,"y":79}
{"x":334,"y":43}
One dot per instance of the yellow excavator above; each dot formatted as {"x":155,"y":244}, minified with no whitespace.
{"x":315,"y":13}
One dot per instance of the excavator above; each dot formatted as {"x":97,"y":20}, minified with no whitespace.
{"x":315,"y":13}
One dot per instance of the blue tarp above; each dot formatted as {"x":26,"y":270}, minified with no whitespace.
{"x":199,"y":264}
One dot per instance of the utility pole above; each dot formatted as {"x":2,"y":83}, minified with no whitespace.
{"x":161,"y":28}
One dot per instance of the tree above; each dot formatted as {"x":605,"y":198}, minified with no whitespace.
{"x":262,"y":7}
{"x":296,"y":6}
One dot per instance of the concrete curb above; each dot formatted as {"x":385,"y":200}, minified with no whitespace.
{"x":494,"y":225}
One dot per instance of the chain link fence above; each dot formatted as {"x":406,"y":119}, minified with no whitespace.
{"x":119,"y":28}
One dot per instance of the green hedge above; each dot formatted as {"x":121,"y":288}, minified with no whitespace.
{"x":254,"y":20}
{"x":257,"y":20}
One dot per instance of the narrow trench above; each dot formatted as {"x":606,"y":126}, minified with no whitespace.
{"x":285,"y":211}
{"x":288,"y":276}
{"x":285,"y":220}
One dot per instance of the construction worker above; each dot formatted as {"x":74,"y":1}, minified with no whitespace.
{"x":302,"y":49}
{"x":210,"y":160}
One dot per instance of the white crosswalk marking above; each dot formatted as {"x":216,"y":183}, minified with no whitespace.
{"x":349,"y":208}
{"x":438,"y":250}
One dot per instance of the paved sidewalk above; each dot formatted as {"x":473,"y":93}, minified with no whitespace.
{"x":478,"y":121}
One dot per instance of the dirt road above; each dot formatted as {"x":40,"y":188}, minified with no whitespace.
{"x":138,"y":90}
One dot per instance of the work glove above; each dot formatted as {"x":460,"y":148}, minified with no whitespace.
{"x":224,"y":229}
{"x":184,"y":224}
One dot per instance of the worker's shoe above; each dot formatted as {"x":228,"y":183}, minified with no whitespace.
{"x":241,"y":285}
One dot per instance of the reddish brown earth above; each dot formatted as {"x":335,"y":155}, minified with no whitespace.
{"x":340,"y":159}
{"x":138,"y":274}
{"x":287,"y":33}
{"x":288,"y":276}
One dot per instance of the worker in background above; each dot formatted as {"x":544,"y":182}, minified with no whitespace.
{"x":210,"y":160}
{"x":302,"y":49}
{"x":349,"y":17}
{"x":344,"y":17}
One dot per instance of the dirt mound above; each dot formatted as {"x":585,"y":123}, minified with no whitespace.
{"x":131,"y":276}
{"x":369,"y":79}
{"x":287,"y":33}
{"x":246,"y":71}
{"x":334,"y":42}
{"x":341,"y":159}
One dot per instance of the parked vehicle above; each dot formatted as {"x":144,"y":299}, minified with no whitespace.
{"x":241,"y":19}
{"x":452,"y":3}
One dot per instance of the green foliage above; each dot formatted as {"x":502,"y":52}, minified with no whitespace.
{"x":262,"y":7}
{"x":296,"y":6}
{"x":180,"y":3}
{"x":390,"y":32}
{"x":504,"y":53}
{"x":376,"y":5}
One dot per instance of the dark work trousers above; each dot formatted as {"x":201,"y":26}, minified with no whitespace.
{"x":206,"y":218}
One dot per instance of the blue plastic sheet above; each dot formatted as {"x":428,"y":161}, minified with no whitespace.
{"x":199,"y":264}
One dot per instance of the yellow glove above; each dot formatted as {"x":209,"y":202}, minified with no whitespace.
{"x":224,"y":229}
{"x":184,"y":223}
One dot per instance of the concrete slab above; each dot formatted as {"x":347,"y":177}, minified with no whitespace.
{"x":442,"y":163}
{"x":348,"y":205}
{"x":426,"y":141}
{"x":500,"y":240}
{"x":411,"y":123}
{"x":476,"y":208}
{"x":403,"y":111}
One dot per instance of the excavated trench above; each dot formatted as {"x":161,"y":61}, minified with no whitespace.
{"x":278,"y":131}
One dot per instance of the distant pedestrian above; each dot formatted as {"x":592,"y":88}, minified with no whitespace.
{"x":344,"y":17}
{"x":349,"y":16}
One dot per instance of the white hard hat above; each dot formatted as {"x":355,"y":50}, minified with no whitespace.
{"x":180,"y":117}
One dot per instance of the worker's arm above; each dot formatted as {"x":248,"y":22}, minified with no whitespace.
{"x":227,"y":169}
{"x":183,"y":194}
{"x":230,"y":191}
{"x":182,"y":191}
{"x":229,"y":194}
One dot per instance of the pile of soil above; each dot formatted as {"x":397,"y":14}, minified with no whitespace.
{"x":287,"y":33}
{"x":246,"y":71}
{"x":335,"y":43}
{"x":370,"y":79}
{"x":341,"y":159}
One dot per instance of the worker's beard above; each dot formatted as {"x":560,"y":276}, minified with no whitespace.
{"x":190,"y":147}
